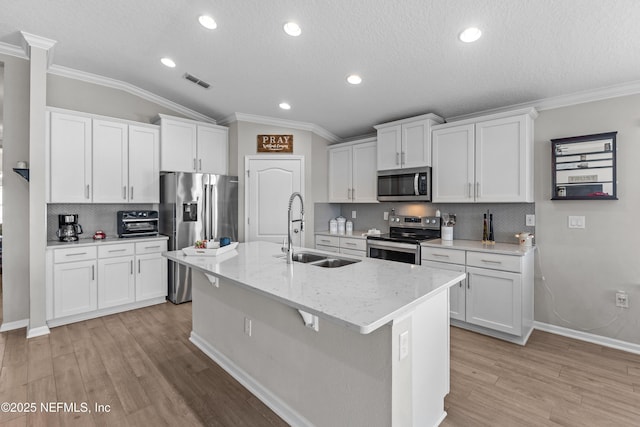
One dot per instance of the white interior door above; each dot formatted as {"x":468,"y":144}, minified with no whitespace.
{"x":270,"y":182}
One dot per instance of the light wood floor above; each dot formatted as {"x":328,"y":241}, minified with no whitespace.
{"x":142,"y":364}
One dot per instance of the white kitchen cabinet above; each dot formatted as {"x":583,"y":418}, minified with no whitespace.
{"x":343,"y":244}
{"x":110,"y":156}
{"x":352,"y":172}
{"x":100,"y":160}
{"x":75,"y":288}
{"x":84,"y":281}
{"x":487,"y":159}
{"x":405,"y":143}
{"x":191,"y":146}
{"x":496,"y":298}
{"x":151,"y":270}
{"x":144,"y":164}
{"x":69,"y":153}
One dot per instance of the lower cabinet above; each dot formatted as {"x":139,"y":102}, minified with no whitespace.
{"x":90,"y":281}
{"x":496,"y":298}
{"x":77,"y":288}
{"x":342,"y":244}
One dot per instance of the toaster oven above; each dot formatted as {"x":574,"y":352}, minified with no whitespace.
{"x":137,"y":223}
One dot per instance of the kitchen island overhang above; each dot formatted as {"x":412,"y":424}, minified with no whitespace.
{"x":380,"y":356}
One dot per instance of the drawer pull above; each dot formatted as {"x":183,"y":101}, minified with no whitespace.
{"x":76,"y":254}
{"x":441,"y":255}
{"x":350,"y":244}
{"x":491,"y":261}
{"x":325,"y":241}
{"x":117,"y":250}
{"x":152,"y":247}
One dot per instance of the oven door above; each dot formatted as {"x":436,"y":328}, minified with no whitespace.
{"x":393,"y":251}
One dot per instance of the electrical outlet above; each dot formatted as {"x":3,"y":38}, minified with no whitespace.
{"x":247,"y":326}
{"x":576,"y":221}
{"x":622,"y":299}
{"x":404,"y":344}
{"x":385,"y":216}
{"x":530,"y":220}
{"x":353,"y":214}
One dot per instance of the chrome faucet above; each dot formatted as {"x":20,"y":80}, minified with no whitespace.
{"x":289,"y":247}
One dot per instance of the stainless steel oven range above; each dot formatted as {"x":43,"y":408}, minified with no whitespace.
{"x":402,"y":243}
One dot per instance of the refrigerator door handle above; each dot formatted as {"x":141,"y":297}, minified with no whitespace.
{"x":210,"y":212}
{"x":205,"y":212}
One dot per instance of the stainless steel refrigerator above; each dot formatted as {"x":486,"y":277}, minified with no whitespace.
{"x":195,"y":206}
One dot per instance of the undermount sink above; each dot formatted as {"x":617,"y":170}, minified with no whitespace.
{"x":327,"y":261}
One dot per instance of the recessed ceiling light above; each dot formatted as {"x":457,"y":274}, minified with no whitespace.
{"x":354,"y":79}
{"x":285,"y":106}
{"x":470,"y":35}
{"x":292,"y":29}
{"x":168,"y":62}
{"x":208,"y":22}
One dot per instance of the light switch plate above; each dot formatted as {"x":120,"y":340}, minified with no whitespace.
{"x":576,"y":221}
{"x":404,"y":344}
{"x":353,"y":214}
{"x":530,"y":220}
{"x":385,"y":216}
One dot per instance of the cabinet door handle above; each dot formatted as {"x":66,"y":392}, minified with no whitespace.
{"x":469,"y":191}
{"x":138,"y":266}
{"x":132,"y":267}
{"x":131,"y":193}
{"x":403,"y":157}
{"x":76,"y":254}
{"x":93,"y":272}
{"x":200,"y":164}
{"x":397,"y":158}
{"x":477,"y":189}
{"x":353,"y":194}
{"x":468,"y":281}
{"x":124,"y":192}
{"x":88,"y":191}
{"x":194,"y":165}
{"x":348,"y":194}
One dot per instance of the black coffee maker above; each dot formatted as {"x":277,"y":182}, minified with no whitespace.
{"x":68,"y":228}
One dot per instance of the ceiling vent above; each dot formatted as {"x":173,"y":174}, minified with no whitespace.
{"x":194,"y":79}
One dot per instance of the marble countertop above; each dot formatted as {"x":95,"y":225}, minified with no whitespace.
{"x":88,"y":241}
{"x":476,"y":245}
{"x":364,"y":296}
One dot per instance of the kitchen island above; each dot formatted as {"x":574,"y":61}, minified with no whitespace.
{"x":377,"y":354}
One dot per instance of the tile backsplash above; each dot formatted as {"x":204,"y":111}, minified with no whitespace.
{"x":91,"y":217}
{"x":508,"y":218}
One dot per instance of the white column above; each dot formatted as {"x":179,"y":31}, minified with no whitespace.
{"x":39,"y":52}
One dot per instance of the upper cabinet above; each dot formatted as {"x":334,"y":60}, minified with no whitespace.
{"x":487,"y":159}
{"x":94,"y":159}
{"x":352,"y":172}
{"x":191,"y":146}
{"x":406,"y":143}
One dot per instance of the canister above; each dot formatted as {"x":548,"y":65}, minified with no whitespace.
{"x":333,"y":226}
{"x":341,"y":224}
{"x":349,"y":228}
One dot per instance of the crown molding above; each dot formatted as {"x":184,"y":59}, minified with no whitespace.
{"x":84,"y":76}
{"x":31,"y":40}
{"x":12,"y":50}
{"x":271,"y":121}
{"x":607,"y":92}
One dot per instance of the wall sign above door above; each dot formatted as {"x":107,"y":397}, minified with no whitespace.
{"x":275,"y":143}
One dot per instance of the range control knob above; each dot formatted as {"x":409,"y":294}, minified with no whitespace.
{"x":433,"y":221}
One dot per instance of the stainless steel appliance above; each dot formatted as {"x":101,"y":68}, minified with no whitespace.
{"x":402,"y":243}
{"x":195,"y":206}
{"x":137,"y":223}
{"x":405,"y":185}
{"x":68,"y":228}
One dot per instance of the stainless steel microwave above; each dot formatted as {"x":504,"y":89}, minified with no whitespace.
{"x":405,"y":185}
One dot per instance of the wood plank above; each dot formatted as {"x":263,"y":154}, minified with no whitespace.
{"x":39,"y":358}
{"x":39,"y":391}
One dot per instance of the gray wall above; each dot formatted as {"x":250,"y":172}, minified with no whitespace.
{"x":15,"y":228}
{"x":579,"y":270}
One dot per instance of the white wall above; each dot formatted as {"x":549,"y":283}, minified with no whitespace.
{"x":305,"y":143}
{"x":584,"y":268}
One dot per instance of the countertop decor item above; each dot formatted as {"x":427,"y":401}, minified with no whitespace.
{"x":193,"y":251}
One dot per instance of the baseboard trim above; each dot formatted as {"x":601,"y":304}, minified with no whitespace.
{"x":288,"y":414}
{"x":17,"y":324}
{"x":105,"y":312}
{"x":585,"y":336}
{"x":37,"y":332}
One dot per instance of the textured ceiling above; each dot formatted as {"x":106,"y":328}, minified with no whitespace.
{"x":407,"y":52}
